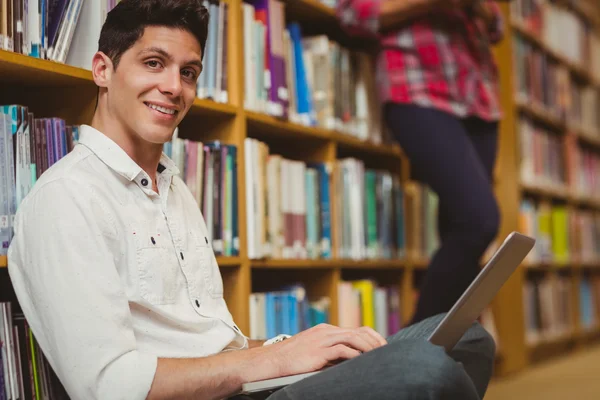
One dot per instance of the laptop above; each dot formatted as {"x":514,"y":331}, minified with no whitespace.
{"x":457,"y":321}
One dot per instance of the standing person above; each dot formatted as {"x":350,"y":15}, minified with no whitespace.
{"x":115,"y":275}
{"x":438,"y":84}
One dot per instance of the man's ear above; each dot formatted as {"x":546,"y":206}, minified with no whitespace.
{"x":102,"y":69}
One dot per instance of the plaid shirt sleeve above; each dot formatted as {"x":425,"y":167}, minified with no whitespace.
{"x":360,"y":16}
{"x":496,"y":29}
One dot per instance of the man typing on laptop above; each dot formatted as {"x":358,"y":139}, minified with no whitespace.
{"x":114,"y":272}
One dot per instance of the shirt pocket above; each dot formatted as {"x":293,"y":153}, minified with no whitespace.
{"x":158,"y":270}
{"x":208,"y":270}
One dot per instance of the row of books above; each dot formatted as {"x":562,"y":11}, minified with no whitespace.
{"x":562,"y":234}
{"x":563,"y":30}
{"x":28,"y":147}
{"x":24,"y":370}
{"x":210,"y":172}
{"x":289,"y":208}
{"x":365,"y":303}
{"x":67,"y":31}
{"x":550,"y":309}
{"x":541,"y":151}
{"x":539,"y":79}
{"x":212,"y":82}
{"x":41,"y":29}
{"x":288,"y":310}
{"x":422,"y":205}
{"x":308,"y":80}
{"x":583,"y":170}
{"x":560,"y":162}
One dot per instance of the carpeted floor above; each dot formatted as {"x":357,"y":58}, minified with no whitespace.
{"x":576,"y":377}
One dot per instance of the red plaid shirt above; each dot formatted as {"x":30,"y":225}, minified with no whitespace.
{"x":442,"y":61}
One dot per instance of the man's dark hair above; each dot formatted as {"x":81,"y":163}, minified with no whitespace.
{"x":126,"y":22}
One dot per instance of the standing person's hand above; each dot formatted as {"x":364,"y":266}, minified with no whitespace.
{"x":482,"y":9}
{"x":323,"y":345}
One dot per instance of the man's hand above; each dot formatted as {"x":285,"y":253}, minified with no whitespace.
{"x":322,"y":345}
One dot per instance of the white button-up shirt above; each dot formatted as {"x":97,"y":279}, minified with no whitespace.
{"x":111,"y":275}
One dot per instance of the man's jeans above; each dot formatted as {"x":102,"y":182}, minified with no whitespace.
{"x":408,"y":367}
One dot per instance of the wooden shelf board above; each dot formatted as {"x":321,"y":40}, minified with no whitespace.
{"x":329,"y":263}
{"x":555,"y":193}
{"x":209,"y":107}
{"x":575,"y":69}
{"x":593,"y":265}
{"x":18,"y":69}
{"x":547,"y":266}
{"x":540,"y":114}
{"x":373,"y":264}
{"x":269,"y":125}
{"x":310,"y":8}
{"x":293,"y":263}
{"x":3,"y":261}
{"x":587,"y":201}
{"x":557,"y":341}
{"x":589,"y":138}
{"x":420,"y":263}
{"x":346,"y":141}
{"x":223,"y":261}
{"x":316,"y":18}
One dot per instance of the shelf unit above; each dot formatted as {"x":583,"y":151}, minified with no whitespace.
{"x":509,"y":306}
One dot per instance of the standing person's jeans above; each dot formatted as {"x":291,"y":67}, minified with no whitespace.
{"x":407,"y":368}
{"x":455,"y":158}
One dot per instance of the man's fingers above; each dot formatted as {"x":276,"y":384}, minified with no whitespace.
{"x":340,"y":351}
{"x":352,"y":338}
{"x":380,"y":340}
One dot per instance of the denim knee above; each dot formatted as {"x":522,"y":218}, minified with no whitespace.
{"x":431,"y":373}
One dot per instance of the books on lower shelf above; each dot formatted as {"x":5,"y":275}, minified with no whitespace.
{"x":421,"y":224}
{"x":210,"y":172}
{"x":549,"y":307}
{"x":308,"y":80}
{"x":288,"y":311}
{"x":24,"y":370}
{"x":28,"y":147}
{"x":365,"y":303}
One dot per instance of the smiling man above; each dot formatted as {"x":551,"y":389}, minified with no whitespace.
{"x":113,"y":269}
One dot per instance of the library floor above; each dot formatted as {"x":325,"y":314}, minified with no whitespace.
{"x":575,"y":376}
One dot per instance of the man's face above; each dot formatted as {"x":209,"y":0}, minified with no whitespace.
{"x":154,"y":84}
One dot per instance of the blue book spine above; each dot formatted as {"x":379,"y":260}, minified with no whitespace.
{"x":304,"y":99}
{"x":270,"y":314}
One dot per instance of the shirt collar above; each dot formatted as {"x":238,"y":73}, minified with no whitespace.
{"x":116,"y":158}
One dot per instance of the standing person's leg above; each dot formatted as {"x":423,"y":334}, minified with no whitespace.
{"x":443,"y":156}
{"x":409,"y":367}
{"x":484,"y":136}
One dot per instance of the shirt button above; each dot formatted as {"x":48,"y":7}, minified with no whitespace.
{"x":197,"y":303}
{"x":144,"y":182}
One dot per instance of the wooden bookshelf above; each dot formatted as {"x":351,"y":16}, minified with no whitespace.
{"x":61,"y":87}
{"x":3,"y":262}
{"x":509,"y":305}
